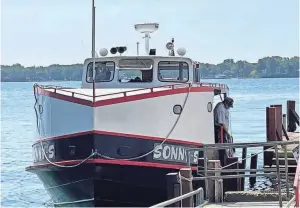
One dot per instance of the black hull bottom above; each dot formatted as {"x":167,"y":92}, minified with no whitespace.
{"x":100,"y":185}
{"x":103,"y":182}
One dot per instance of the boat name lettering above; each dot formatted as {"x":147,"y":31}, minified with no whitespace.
{"x":174,"y":153}
{"x":38,"y":154}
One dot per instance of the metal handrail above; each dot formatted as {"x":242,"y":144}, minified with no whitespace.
{"x":219,"y":170}
{"x":270,"y":145}
{"x":179,"y":198}
{"x":296,"y":185}
{"x":241,"y":145}
{"x":290,"y":202}
{"x":172,"y":86}
{"x":232,"y":176}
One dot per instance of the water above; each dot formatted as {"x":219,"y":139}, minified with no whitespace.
{"x":23,"y":189}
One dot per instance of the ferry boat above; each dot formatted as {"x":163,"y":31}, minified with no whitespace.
{"x":112,"y":141}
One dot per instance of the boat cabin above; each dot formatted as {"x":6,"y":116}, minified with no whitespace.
{"x":139,"y":71}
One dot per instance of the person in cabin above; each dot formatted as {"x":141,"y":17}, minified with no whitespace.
{"x":221,"y":118}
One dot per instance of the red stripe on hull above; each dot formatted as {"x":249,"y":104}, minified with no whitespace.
{"x":122,"y":135}
{"x":122,"y":99}
{"x":113,"y":162}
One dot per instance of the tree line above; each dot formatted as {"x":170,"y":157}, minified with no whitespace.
{"x":267,"y":67}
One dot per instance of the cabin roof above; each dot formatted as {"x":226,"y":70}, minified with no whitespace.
{"x":116,"y":58}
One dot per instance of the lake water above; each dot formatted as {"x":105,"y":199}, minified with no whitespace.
{"x":23,"y":189}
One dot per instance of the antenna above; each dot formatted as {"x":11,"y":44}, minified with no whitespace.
{"x":93,"y":29}
{"x":93,"y":47}
{"x":146,"y":28}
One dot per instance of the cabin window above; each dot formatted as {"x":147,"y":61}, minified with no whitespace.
{"x":135,"y":70}
{"x":196,"y":73}
{"x":173,"y":71}
{"x":105,"y":71}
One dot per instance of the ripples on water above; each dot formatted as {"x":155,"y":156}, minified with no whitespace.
{"x":23,"y":189}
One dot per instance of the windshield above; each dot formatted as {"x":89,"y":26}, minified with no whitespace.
{"x":104,"y":71}
{"x":135,"y":70}
{"x":173,"y":71}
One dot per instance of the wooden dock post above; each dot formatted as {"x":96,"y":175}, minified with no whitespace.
{"x":187,"y":186}
{"x":233,"y":183}
{"x":271,"y":134}
{"x":271,"y":127}
{"x":173,"y":188}
{"x":291,"y":125}
{"x":278,"y":121}
{"x":253,"y":165}
{"x":219,"y":194}
{"x":213,"y":191}
{"x":284,"y":121}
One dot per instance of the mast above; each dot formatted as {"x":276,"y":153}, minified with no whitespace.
{"x":147,"y":38}
{"x":93,"y":47}
{"x":146,"y":29}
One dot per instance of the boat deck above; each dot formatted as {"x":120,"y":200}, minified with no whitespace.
{"x":103,"y":94}
{"x":292,"y":137}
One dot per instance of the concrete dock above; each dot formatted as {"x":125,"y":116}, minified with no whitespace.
{"x":247,"y":204}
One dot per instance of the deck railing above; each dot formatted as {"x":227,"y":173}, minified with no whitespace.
{"x":56,"y":89}
{"x":214,"y":174}
{"x":295,"y":200}
{"x":236,"y":172}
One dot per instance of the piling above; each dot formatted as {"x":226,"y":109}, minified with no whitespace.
{"x":231,"y":184}
{"x":219,"y":191}
{"x":173,"y":188}
{"x":291,"y":125}
{"x":187,"y":186}
{"x":212,"y":185}
{"x":271,"y":134}
{"x":271,"y":124}
{"x":278,"y":121}
{"x":284,"y":121}
{"x":253,"y":165}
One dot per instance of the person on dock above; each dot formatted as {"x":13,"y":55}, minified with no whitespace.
{"x":221,"y":118}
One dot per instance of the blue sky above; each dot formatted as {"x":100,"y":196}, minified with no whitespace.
{"x":44,"y":32}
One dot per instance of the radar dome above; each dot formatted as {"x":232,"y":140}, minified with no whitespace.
{"x":181,"y":51}
{"x":103,"y":52}
{"x":146,"y":27}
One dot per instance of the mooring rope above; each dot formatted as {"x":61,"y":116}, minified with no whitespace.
{"x":104,"y":156}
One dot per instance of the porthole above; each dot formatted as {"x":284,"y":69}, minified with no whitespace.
{"x":209,"y":107}
{"x":177,"y":109}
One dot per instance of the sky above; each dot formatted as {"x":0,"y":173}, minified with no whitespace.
{"x":45,"y":32}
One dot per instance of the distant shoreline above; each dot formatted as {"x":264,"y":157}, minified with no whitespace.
{"x":267,"y":67}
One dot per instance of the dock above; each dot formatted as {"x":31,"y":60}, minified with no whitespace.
{"x":224,"y":185}
{"x":246,"y":204}
{"x":282,"y":127}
